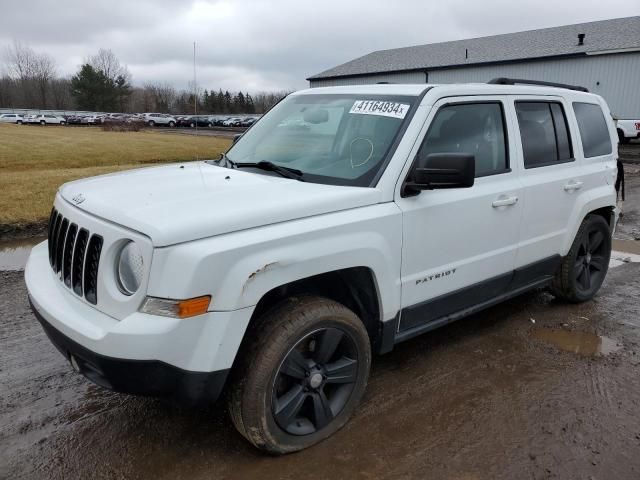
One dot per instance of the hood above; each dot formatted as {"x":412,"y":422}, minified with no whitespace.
{"x":182,"y":202}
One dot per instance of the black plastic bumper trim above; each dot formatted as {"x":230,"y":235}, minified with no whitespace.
{"x":138,"y":377}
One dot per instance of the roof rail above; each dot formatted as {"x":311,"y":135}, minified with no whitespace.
{"x":514,"y":81}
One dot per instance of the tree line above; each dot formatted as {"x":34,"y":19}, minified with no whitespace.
{"x":102,"y":83}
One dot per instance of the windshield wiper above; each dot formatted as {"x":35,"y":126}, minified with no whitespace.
{"x":272,"y":167}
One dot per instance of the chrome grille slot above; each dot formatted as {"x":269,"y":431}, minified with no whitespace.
{"x":91,"y":263}
{"x":53,"y":238}
{"x":74,"y":254}
{"x":62,"y":235}
{"x":78,"y":261}
{"x":52,"y":224}
{"x":67,"y":254}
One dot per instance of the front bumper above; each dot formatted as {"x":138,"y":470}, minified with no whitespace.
{"x":187,"y":359}
{"x":138,"y":377}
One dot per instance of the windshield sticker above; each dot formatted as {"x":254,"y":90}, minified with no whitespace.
{"x":377,"y":107}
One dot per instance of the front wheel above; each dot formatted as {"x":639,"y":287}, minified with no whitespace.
{"x":43,"y":123}
{"x":63,"y":123}
{"x":172,"y":124}
{"x":19,"y":122}
{"x":151,"y":123}
{"x":585,"y":266}
{"x":301,"y":375}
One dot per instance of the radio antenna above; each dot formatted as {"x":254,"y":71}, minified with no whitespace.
{"x":195,"y":89}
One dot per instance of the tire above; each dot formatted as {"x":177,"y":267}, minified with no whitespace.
{"x":621,"y":138}
{"x":209,"y":124}
{"x":172,"y":124}
{"x":19,"y":122}
{"x":151,"y":123}
{"x":43,"y":123}
{"x":192,"y":125}
{"x":63,"y":123}
{"x":288,"y":359}
{"x":584,"y":268}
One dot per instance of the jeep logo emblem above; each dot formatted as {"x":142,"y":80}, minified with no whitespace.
{"x":78,"y":199}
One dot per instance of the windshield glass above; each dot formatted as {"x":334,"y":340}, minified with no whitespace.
{"x":335,"y":139}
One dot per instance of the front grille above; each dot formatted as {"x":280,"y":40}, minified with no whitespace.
{"x":74,"y":254}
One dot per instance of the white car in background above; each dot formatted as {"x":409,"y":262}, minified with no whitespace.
{"x":157,"y":119}
{"x":46,"y":119}
{"x":93,"y":120}
{"x":627,"y":130}
{"x":11,"y":118}
{"x":232,"y":122}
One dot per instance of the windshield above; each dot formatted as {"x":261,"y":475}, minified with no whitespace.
{"x":335,"y":139}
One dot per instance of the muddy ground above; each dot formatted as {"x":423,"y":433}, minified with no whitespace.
{"x":531,"y":389}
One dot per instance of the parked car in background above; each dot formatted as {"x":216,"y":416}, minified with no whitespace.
{"x":46,"y":119}
{"x":195,"y":120}
{"x":93,"y":120}
{"x":158,"y":119}
{"x":232,"y":122}
{"x":247,"y":122}
{"x":628,"y":129}
{"x":11,"y":118}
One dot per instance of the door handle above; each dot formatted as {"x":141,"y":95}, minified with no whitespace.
{"x":504,"y":202}
{"x":572,"y":185}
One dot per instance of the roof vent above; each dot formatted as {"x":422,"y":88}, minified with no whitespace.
{"x":581,"y":38}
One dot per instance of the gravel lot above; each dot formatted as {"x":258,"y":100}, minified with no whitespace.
{"x":532,"y":389}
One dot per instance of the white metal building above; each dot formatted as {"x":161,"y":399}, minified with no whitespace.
{"x":602,"y":56}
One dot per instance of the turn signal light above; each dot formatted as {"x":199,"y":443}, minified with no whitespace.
{"x":176,"y":308}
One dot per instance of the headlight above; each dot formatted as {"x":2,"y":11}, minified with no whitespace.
{"x":130,"y":268}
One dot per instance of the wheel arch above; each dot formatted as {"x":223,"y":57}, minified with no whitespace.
{"x":354,"y":287}
{"x":603,"y":206}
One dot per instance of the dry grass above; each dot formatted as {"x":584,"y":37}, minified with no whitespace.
{"x":35,"y":161}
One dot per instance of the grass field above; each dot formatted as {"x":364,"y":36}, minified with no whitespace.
{"x":35,"y":161}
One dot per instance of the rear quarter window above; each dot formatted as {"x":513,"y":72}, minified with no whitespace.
{"x":594,"y":133}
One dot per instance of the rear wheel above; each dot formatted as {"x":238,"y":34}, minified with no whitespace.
{"x":172,"y":124}
{"x":584,"y":268}
{"x":151,"y":123}
{"x":621,"y":138}
{"x":19,"y":122}
{"x":63,"y":123}
{"x":301,"y":376}
{"x":43,"y":123}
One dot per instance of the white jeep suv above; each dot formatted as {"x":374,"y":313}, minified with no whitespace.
{"x":279,"y":269}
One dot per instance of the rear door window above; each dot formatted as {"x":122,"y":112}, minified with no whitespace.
{"x":594,"y":133}
{"x":544,"y":133}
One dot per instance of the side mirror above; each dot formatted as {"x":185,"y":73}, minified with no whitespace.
{"x":443,"y":170}
{"x":236,"y":138}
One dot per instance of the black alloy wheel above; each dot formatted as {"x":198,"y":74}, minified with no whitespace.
{"x":585,"y":266}
{"x":592,"y":260}
{"x":315,"y":381}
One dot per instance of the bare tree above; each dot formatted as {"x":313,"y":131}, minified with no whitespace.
{"x":33,"y":71}
{"x":107,"y":62}
{"x":44,"y":72}
{"x":163,"y":96}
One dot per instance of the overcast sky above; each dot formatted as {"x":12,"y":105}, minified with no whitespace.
{"x":258,"y":45}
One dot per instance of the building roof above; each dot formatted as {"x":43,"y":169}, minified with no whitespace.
{"x":601,"y":36}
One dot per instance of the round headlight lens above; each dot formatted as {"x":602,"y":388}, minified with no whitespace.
{"x":130,"y":269}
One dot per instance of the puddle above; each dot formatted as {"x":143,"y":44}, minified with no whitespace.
{"x":14,"y":253}
{"x":582,"y":343}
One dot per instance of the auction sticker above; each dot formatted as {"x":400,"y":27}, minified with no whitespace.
{"x":380,"y":107}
